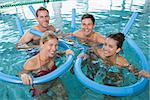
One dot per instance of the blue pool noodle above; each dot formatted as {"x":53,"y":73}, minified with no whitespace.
{"x":36,"y":32}
{"x":126,"y":91}
{"x":130,"y":23}
{"x":32,"y":10}
{"x":19,"y":26}
{"x":110,"y":90}
{"x":73,"y":22}
{"x":56,"y":73}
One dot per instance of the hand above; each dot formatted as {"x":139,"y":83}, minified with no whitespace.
{"x":85,"y":56}
{"x":143,"y":73}
{"x":22,"y":46}
{"x":69,"y":52}
{"x":90,"y":49}
{"x":59,"y":34}
{"x":26,"y":79}
{"x":67,"y":35}
{"x":71,"y":42}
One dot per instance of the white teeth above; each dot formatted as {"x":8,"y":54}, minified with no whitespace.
{"x":105,"y":52}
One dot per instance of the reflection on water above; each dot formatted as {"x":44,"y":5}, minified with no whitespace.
{"x":57,"y":6}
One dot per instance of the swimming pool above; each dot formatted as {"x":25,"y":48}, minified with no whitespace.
{"x":110,"y":17}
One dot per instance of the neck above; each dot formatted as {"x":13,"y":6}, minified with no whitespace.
{"x":42,"y":29}
{"x":89,"y":34}
{"x":44,"y":57}
{"x":111,"y":59}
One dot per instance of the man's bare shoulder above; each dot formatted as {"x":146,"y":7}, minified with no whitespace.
{"x":99,"y":34}
{"x":36,"y":27}
{"x":77,"y":33}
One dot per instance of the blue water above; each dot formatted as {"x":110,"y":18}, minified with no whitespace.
{"x":111,"y":16}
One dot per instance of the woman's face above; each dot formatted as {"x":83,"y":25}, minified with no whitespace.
{"x":87,"y":26}
{"x":50,"y":47}
{"x":110,"y":47}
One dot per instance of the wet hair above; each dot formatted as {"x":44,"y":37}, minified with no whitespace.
{"x":40,"y":9}
{"x":88,"y":16}
{"x":47,"y":36}
{"x":119,"y":37}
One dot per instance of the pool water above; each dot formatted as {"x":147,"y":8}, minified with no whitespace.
{"x":111,"y":16}
{"x":101,"y":73}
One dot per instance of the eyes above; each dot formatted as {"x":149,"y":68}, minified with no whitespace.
{"x":53,"y":45}
{"x":89,"y":24}
{"x":109,"y":45}
{"x":47,"y":16}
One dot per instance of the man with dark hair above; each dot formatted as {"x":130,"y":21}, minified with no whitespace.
{"x":42,"y":16}
{"x":86,"y":34}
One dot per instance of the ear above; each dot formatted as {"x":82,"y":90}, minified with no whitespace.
{"x":118,"y":50}
{"x":36,"y":18}
{"x":94,"y":25}
{"x":41,"y":44}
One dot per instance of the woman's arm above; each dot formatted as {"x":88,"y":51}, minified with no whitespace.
{"x":137,"y":72}
{"x":124,"y":63}
{"x":133,"y":70}
{"x":25,"y":77}
{"x":144,"y":73}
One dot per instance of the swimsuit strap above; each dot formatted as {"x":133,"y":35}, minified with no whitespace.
{"x":39,"y":57}
{"x":117,"y":59}
{"x":114,"y":68}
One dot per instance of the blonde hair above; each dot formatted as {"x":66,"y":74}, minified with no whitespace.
{"x":47,"y":36}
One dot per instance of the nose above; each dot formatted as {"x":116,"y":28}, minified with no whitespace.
{"x":43,"y":19}
{"x":54,"y":48}
{"x":105,"y":47}
{"x":86,"y":27}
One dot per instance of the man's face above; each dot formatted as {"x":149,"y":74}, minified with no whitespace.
{"x":43,"y":18}
{"x":87,"y":26}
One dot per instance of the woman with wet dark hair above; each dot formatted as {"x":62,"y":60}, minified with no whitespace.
{"x":109,"y":55}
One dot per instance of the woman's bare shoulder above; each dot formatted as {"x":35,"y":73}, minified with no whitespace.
{"x":122,"y":61}
{"x":31,"y":63}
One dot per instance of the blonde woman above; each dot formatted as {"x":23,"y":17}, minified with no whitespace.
{"x":42,"y":64}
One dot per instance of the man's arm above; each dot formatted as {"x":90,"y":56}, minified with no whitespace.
{"x":26,"y":38}
{"x":100,"y":38}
